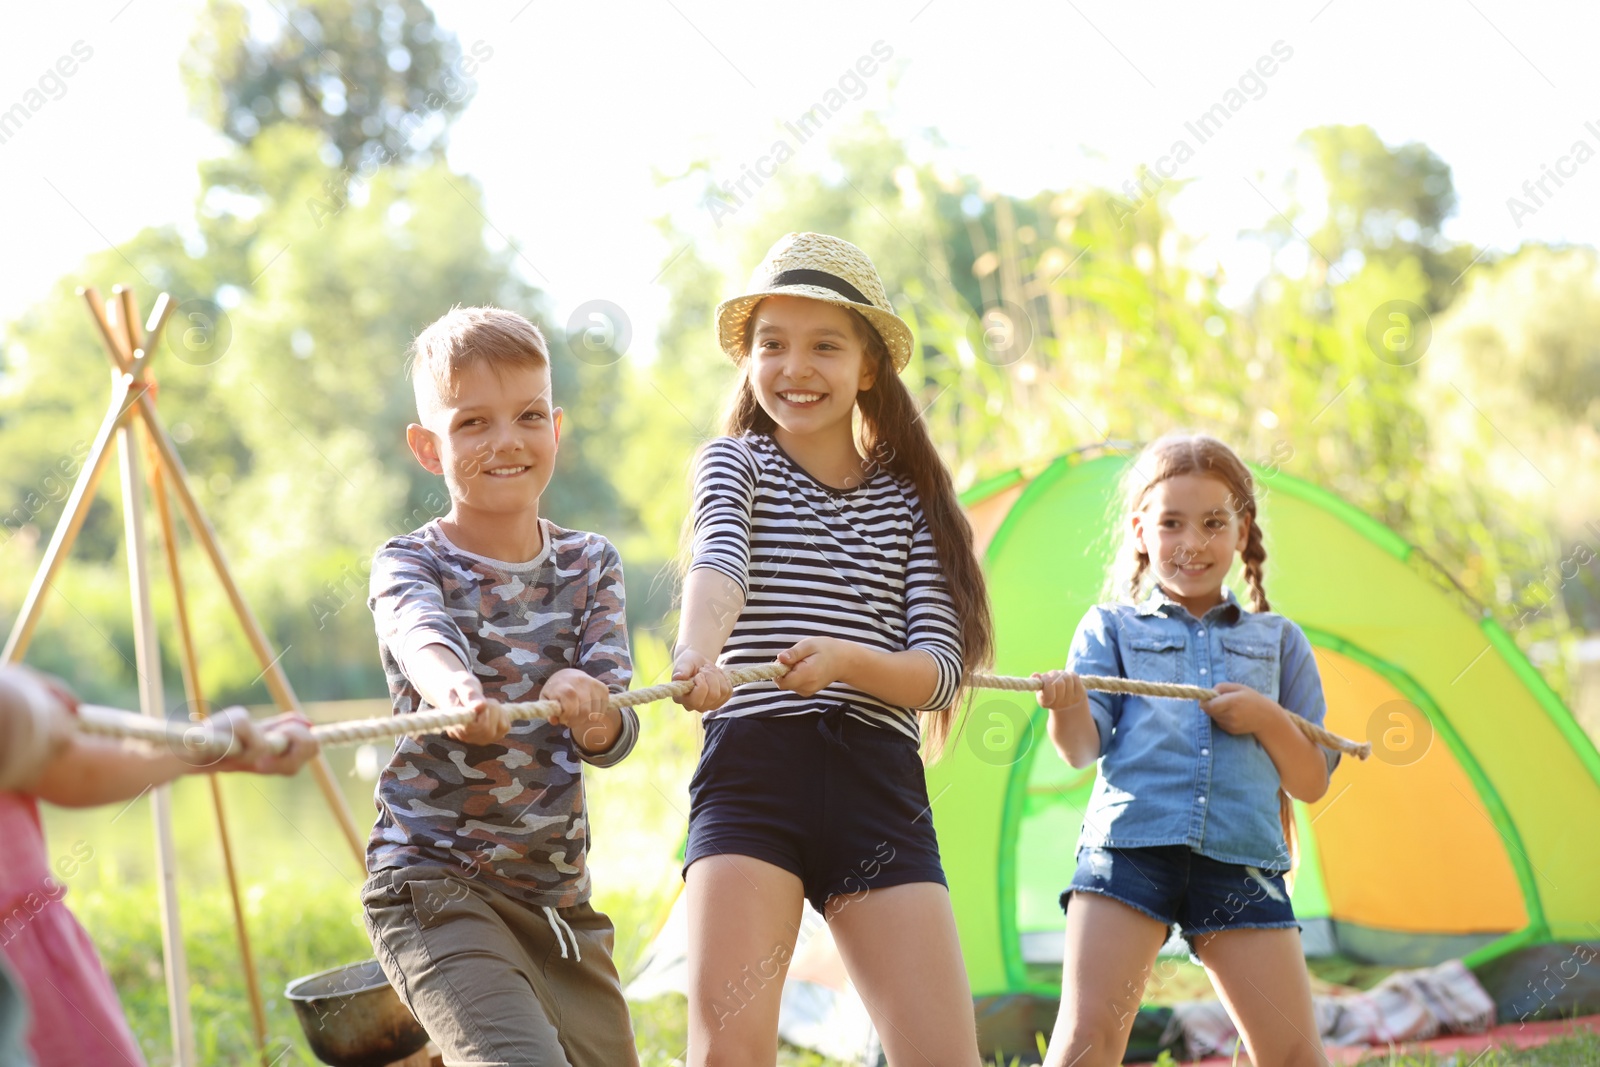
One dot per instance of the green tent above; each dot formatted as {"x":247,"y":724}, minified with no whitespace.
{"x":1470,"y":833}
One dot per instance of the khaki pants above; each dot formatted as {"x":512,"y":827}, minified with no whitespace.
{"x":485,"y":976}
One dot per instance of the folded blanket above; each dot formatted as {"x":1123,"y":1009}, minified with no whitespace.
{"x":1406,"y":1006}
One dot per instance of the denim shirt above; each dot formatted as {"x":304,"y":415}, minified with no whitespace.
{"x":1168,"y":774}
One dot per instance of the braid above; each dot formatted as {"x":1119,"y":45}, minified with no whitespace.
{"x":1141,"y":564}
{"x":1255,"y":556}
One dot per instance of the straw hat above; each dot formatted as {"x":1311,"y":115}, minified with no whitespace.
{"x":819,"y":267}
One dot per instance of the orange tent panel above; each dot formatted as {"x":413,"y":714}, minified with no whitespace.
{"x":1405,"y":842}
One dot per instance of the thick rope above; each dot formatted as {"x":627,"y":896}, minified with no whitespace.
{"x":200,"y":741}
{"x":1326,"y":738}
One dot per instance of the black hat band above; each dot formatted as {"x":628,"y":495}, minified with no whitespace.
{"x":822,"y":280}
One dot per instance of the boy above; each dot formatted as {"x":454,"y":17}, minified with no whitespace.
{"x":477,"y":900}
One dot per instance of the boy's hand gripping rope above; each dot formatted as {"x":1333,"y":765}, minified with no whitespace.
{"x":197,"y":740}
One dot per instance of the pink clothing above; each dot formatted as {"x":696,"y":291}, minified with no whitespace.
{"x":74,"y":1016}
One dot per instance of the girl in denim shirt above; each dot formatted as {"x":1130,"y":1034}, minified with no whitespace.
{"x":1189,"y":822}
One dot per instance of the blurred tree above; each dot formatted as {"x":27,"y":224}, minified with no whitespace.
{"x":377,"y":78}
{"x":300,"y":286}
{"x":1379,"y":198}
{"x":1377,"y":204}
{"x":1513,"y":381}
{"x":668,"y":407}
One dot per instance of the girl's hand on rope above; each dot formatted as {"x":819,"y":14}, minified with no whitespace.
{"x":814,"y":664}
{"x":1238,"y":709}
{"x":490,"y":722}
{"x":34,"y":726}
{"x":56,"y":688}
{"x":1061,"y":690}
{"x":255,"y":741}
{"x":584,"y":709}
{"x":1072,"y":728}
{"x":711,"y":686}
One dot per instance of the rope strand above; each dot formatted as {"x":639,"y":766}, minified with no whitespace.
{"x":196,"y":740}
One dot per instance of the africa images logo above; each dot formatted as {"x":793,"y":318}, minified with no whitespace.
{"x":726,"y":199}
{"x":51,"y":85}
{"x":1251,"y":85}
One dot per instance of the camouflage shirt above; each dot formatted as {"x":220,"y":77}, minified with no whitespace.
{"x":510,"y":813}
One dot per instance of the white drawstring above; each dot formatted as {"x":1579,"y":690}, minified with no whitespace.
{"x":558,"y":924}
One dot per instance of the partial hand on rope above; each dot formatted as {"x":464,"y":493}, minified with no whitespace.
{"x":110,"y":722}
{"x":229,"y":740}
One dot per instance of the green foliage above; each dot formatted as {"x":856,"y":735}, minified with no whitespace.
{"x":1058,"y":320}
{"x":372,"y":78}
{"x":1046,"y":322}
{"x":1382,"y":203}
{"x":127,"y":934}
{"x":665,"y":411}
{"x":299,"y":288}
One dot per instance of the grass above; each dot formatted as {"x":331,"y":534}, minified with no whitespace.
{"x":1576,"y":1051}
{"x":303,"y":919}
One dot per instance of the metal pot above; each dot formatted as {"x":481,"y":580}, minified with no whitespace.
{"x":352,"y":1017}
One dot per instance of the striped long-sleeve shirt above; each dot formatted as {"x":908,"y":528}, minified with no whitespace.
{"x":814,"y":561}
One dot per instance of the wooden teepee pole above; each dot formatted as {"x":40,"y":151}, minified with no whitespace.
{"x":189,"y":663}
{"x":72,"y":516}
{"x":147,"y":657}
{"x":122,"y":353}
{"x":117,"y":321}
{"x":116,"y":342}
{"x":277,"y":681}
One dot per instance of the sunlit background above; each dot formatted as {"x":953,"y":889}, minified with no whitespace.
{"x":585,"y":110}
{"x":1104,"y":221}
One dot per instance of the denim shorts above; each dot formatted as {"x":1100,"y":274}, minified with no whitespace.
{"x":1177,"y":886}
{"x":839,"y":803}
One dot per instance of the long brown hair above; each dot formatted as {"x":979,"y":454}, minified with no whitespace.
{"x":1172,"y":456}
{"x":894,"y":436}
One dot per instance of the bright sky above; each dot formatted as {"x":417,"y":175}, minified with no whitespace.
{"x":582,"y":105}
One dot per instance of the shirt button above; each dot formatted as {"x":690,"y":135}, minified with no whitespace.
{"x":1202,"y":670}
{"x":1200,"y":800}
{"x":1205,"y":752}
{"x":1201,"y":631}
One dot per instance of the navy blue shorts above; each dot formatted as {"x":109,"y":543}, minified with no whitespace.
{"x":838,"y":803}
{"x":1176,"y":885}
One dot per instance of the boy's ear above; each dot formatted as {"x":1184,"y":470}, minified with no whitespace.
{"x":555,"y":421}
{"x":425,"y":447}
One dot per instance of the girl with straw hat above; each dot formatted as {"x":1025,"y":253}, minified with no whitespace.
{"x":846,"y":556}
